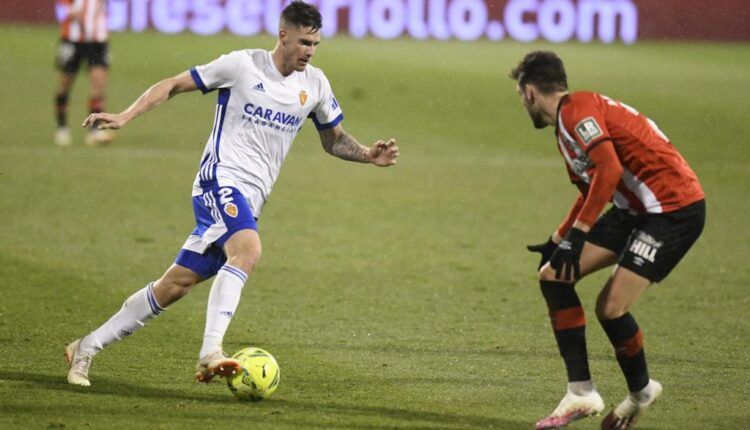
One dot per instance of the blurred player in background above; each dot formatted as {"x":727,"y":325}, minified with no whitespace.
{"x":263,"y":100}
{"x":612,"y":153}
{"x":84,"y":37}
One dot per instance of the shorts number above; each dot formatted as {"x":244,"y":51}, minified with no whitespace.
{"x":226,"y":195}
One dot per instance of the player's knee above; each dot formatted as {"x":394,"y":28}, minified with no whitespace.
{"x":609,"y":310}
{"x":246,"y":260}
{"x":174,"y":288}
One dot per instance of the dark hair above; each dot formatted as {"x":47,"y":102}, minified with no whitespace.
{"x":302,"y":14}
{"x":543,"y":69}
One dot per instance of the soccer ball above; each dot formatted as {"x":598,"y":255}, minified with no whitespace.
{"x":259,"y":377}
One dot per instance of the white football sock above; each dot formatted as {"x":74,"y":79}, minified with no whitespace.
{"x":645,"y":394}
{"x":222,"y":303}
{"x":137,"y":310}
{"x":581,"y":388}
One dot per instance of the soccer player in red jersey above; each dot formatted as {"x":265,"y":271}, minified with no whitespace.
{"x":83,"y":37}
{"x":614,"y":154}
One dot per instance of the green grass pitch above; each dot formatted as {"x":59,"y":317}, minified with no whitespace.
{"x":392,"y":298}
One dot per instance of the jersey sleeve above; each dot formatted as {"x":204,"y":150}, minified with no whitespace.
{"x":327,"y":113}
{"x":606,"y":174}
{"x":567,"y":223}
{"x":583,"y":121}
{"x":220,"y":73}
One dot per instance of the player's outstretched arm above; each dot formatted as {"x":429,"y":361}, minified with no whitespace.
{"x":339,"y":143}
{"x":152,"y":97}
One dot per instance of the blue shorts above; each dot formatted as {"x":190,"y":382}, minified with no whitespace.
{"x":219,"y":213}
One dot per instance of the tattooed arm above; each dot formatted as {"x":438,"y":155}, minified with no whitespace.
{"x":339,"y":143}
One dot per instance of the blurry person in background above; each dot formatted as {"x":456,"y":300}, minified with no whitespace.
{"x":83,"y":37}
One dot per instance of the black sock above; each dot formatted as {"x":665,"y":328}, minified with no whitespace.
{"x":61,"y":109}
{"x":627,"y":340}
{"x":569,"y":325}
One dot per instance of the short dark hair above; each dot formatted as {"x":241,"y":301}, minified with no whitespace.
{"x":543,"y":69}
{"x":302,"y":14}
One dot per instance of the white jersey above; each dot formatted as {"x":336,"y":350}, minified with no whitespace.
{"x":258,"y":114}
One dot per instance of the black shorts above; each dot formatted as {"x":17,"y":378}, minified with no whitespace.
{"x":71,"y":54}
{"x":650,"y":245}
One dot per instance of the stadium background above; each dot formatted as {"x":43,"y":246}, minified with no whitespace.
{"x":392,"y":298}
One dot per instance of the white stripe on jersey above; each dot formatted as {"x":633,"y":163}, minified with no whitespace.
{"x":88,"y":20}
{"x":102,"y":31}
{"x":75,"y":27}
{"x":585,"y":176}
{"x":620,"y":201}
{"x":642,"y":192}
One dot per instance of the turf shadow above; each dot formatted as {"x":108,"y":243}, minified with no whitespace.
{"x":279,"y":410}
{"x":426,"y":419}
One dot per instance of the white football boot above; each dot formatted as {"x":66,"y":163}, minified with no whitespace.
{"x":96,"y":137}
{"x":572,"y":407}
{"x":216,"y":364}
{"x":626,"y":414}
{"x":63,"y":137}
{"x":78,"y":364}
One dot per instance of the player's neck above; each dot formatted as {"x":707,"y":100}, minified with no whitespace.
{"x":550,"y":105}
{"x":278,"y":60}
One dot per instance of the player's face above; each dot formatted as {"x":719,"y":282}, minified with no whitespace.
{"x":528,"y":99}
{"x":299,"y":45}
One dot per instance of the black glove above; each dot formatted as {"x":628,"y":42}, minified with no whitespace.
{"x":546,"y":249}
{"x":565,"y":259}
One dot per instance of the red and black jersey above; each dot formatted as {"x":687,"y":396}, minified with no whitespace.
{"x":83,"y":20}
{"x":615,"y":153}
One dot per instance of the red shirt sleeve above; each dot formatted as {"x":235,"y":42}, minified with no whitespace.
{"x":571,"y":217}
{"x":606,"y":173}
{"x":583,"y":120}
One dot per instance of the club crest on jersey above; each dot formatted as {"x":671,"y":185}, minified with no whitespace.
{"x":588,"y":130}
{"x":302,"y":97}
{"x":231,"y":210}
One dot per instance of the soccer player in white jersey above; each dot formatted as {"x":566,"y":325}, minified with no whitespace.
{"x":263,"y":99}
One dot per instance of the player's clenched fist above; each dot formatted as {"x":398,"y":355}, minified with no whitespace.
{"x":565,"y":259}
{"x":383,"y":153}
{"x":104,"y":121}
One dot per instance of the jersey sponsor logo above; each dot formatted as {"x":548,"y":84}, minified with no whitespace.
{"x":281,"y":118}
{"x":588,"y":130}
{"x":302,"y":97}
{"x":581,"y":166}
{"x":259,"y":87}
{"x":645,"y":248}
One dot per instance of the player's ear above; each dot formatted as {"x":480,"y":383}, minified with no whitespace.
{"x":283,"y":35}
{"x":529,"y":93}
